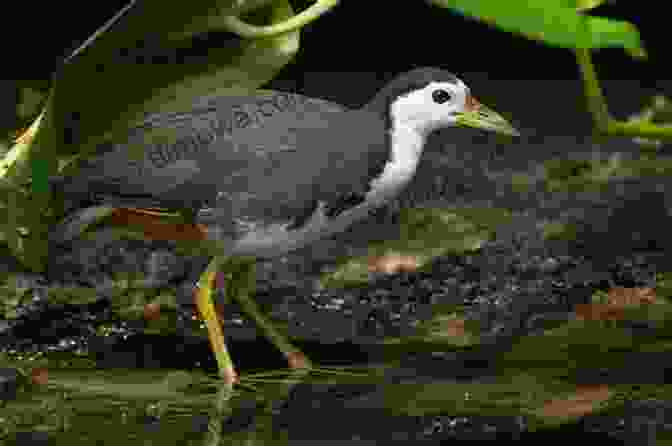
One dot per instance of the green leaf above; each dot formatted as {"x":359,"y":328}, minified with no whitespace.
{"x":142,"y":66}
{"x":147,"y":65}
{"x":10,"y":223}
{"x":554,"y":22}
{"x":585,"y":5}
{"x":30,"y":102}
{"x":41,"y":169}
{"x":138,"y":87}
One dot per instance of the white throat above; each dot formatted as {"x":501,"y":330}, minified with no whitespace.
{"x":406,"y":145}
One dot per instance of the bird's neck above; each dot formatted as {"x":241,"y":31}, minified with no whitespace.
{"x":406,"y":146}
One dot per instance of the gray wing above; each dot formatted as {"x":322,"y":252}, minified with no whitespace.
{"x":165,"y":160}
{"x":326,"y":161}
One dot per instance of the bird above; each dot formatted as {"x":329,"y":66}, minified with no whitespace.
{"x":259,"y":174}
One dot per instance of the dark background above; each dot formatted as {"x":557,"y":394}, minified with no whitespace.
{"x":379,"y":40}
{"x":357,"y":36}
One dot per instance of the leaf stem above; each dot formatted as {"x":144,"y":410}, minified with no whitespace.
{"x":235,"y":25}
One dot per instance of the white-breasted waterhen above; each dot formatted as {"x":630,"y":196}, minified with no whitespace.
{"x":265,"y":174}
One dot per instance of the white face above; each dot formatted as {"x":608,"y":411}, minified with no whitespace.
{"x":435,"y":106}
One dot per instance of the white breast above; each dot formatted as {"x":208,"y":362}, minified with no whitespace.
{"x":406,"y":150}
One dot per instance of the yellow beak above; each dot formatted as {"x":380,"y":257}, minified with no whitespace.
{"x":477,"y":115}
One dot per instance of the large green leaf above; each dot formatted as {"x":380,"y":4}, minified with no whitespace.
{"x":554,"y":22}
{"x":585,"y":5}
{"x":125,"y":74}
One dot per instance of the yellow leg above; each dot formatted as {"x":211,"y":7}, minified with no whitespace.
{"x":241,"y":286}
{"x":203,"y":297}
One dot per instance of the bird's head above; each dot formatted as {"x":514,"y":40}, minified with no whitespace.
{"x":426,"y":99}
